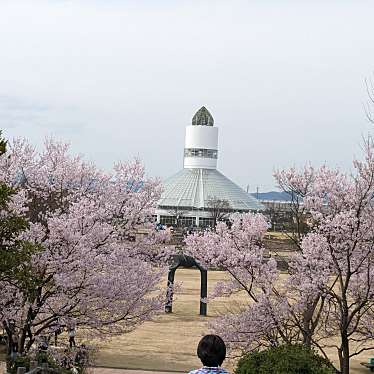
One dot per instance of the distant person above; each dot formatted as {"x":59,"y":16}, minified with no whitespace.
{"x":81,"y":358}
{"x":15,"y":341}
{"x":43,"y":344}
{"x":211,"y":351}
{"x":58,"y":331}
{"x":72,"y":337}
{"x":66,"y":361}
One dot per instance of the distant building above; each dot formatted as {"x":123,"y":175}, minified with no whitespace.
{"x":189,"y":196}
{"x":282,"y":213}
{"x":278,"y":205}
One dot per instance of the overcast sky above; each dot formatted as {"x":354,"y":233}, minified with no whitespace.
{"x":284,"y":80}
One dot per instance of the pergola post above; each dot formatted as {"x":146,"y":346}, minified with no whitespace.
{"x":170,"y":291}
{"x":203,"y":291}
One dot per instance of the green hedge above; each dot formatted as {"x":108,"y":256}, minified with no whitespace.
{"x":286,"y":359}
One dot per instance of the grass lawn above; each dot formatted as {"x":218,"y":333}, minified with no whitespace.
{"x":169,"y":343}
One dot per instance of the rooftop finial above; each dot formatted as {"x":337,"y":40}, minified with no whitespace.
{"x":202,"y":118}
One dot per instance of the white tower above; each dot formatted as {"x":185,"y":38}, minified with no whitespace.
{"x":201,"y":142}
{"x":188,"y":195}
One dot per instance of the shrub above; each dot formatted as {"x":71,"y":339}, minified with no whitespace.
{"x":286,"y":359}
{"x":19,"y":361}
{"x":40,"y":358}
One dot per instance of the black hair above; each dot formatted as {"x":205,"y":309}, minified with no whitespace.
{"x":211,"y":350}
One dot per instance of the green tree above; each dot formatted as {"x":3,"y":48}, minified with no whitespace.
{"x":15,"y":253}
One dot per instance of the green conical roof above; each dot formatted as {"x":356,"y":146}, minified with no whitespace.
{"x":202,"y":118}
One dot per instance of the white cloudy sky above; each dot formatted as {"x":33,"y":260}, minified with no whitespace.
{"x":283,"y":79}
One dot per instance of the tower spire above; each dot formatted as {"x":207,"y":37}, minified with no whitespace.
{"x":202,"y":118}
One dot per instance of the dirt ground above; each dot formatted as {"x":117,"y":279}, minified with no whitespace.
{"x":169,"y":343}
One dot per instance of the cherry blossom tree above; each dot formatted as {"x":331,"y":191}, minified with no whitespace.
{"x":369,"y":106}
{"x":337,"y":261}
{"x":15,"y":254}
{"x":238,"y":249}
{"x":327,"y":297}
{"x":84,"y":270}
{"x":296,"y":184}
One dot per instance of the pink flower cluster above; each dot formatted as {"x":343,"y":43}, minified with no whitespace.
{"x":329,"y":288}
{"x":87,"y":269}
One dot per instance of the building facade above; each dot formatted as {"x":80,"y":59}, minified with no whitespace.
{"x":192,"y":196}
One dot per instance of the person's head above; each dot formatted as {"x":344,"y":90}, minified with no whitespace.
{"x":211,"y":350}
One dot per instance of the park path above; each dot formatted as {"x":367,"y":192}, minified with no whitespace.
{"x":112,"y":371}
{"x":127,"y":371}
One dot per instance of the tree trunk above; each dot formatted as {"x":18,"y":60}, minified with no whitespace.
{"x":308,"y":329}
{"x":29,"y":344}
{"x":344,"y":354}
{"x":10,"y":344}
{"x":21,"y":341}
{"x":307,"y":333}
{"x":9,"y":333}
{"x":307,"y":339}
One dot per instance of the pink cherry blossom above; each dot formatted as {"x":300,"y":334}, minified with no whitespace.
{"x":87,"y":270}
{"x":329,"y":289}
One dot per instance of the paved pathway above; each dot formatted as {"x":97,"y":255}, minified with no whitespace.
{"x":112,"y":371}
{"x":127,"y":371}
